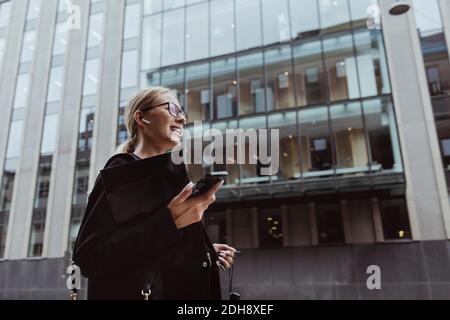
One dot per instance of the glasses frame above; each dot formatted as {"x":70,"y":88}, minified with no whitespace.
{"x":167,"y":104}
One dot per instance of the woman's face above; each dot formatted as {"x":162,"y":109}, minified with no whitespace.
{"x":164,"y":130}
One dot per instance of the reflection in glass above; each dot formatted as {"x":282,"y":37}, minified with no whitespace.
{"x":151,"y":42}
{"x":173,"y":37}
{"x":341,"y":68}
{"x":334,"y":15}
{"x":197,"y":45}
{"x":129,"y":76}
{"x":286,"y":123}
{"x":59,"y":41}
{"x":276,"y":21}
{"x":151,"y":6}
{"x":90,"y":77}
{"x":248,"y":24}
{"x":198,"y":101}
{"x":224,"y":87}
{"x":95,"y":35}
{"x":315,"y":153}
{"x":304,"y":18}
{"x":280,"y":83}
{"x":173,"y":79}
{"x":132,"y":21}
{"x":270,"y":229}
{"x":49,"y":134}
{"x":329,"y":224}
{"x":252,"y":98}
{"x":309,"y":77}
{"x":55,"y":84}
{"x":222,"y":27}
{"x":349,"y":138}
{"x":28,"y":46}
{"x":22,"y":91}
{"x":14,"y":139}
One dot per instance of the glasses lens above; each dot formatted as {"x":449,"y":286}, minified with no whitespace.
{"x":175,"y":111}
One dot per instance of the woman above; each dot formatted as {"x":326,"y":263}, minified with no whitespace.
{"x":162,"y":254}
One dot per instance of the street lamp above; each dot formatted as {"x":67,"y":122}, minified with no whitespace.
{"x":399,"y":7}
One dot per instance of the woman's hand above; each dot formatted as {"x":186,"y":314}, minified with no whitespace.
{"x":226,"y":254}
{"x":186,"y":212}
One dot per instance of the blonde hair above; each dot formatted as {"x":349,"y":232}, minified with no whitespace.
{"x":142,"y":98}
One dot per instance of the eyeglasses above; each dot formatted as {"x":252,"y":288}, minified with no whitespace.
{"x":173,"y":109}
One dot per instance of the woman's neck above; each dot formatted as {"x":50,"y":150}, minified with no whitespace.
{"x":146,"y":150}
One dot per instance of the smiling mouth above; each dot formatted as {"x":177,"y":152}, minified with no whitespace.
{"x":177,"y":130}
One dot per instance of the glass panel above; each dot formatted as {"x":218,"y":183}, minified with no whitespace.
{"x":280,"y":83}
{"x":251,"y":84}
{"x":316,"y":152}
{"x":95,"y":35}
{"x":150,"y":79}
{"x":151,"y":42}
{"x":304,"y":18}
{"x":329,"y":224}
{"x":334,"y":15}
{"x":129,"y":77}
{"x":5,"y":11}
{"x":286,"y":123}
{"x":90,"y":77}
{"x":276,"y":21}
{"x":197,"y":46}
{"x":222,"y":27}
{"x":382,"y":134}
{"x":224,"y":86}
{"x":174,"y":79}
{"x":86,"y":128}
{"x":248,"y":20}
{"x":270,"y":228}
{"x":428,"y":16}
{"x":171,"y":4}
{"x":7,"y":189}
{"x":173,"y":37}
{"x":358,"y":12}
{"x":63,"y":5}
{"x":22,"y":91}
{"x":132,"y":21}
{"x":341,"y":68}
{"x":309,"y":76}
{"x":394,"y":216}
{"x":2,"y":51}
{"x":60,"y":39}
{"x":15,"y":139}
{"x":34,"y":9}
{"x":372,"y":66}
{"x":349,"y":139}
{"x":50,"y":134}
{"x":55,"y":84}
{"x":28,"y":47}
{"x":151,"y":6}
{"x":36,"y":242}
{"x":43,"y":182}
{"x":198,"y":94}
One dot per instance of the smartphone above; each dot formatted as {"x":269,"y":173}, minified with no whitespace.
{"x":207,"y":182}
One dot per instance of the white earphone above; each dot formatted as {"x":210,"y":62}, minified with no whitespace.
{"x":146,"y":121}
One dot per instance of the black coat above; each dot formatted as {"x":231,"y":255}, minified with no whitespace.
{"x":128,"y":240}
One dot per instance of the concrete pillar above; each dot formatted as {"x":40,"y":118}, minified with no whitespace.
{"x":426,"y":192}
{"x":61,"y":187}
{"x":107,"y":106}
{"x":29,"y":160}
{"x":445,"y":13}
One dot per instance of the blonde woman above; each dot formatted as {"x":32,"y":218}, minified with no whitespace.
{"x":162,"y":254}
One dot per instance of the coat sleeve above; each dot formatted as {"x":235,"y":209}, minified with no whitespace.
{"x":104,"y":248}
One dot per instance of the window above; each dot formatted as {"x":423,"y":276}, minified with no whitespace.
{"x":329,"y":224}
{"x":5,"y":11}
{"x":22,"y":91}
{"x":341,"y":68}
{"x":248,"y":23}
{"x":395,"y":220}
{"x":197,"y":45}
{"x":129,"y":69}
{"x":173,"y":37}
{"x":286,"y":123}
{"x":309,"y":76}
{"x":334,"y":15}
{"x":151,"y":42}
{"x":252,"y":97}
{"x":132,"y":21}
{"x":29,"y":46}
{"x":275,"y":21}
{"x":358,"y":12}
{"x":95,"y":35}
{"x":55,"y":84}
{"x":304,"y":18}
{"x":270,"y":228}
{"x":280,"y":81}
{"x":15,"y":139}
{"x":34,"y":9}
{"x":36,"y":242}
{"x":152,"y":6}
{"x":316,"y":152}
{"x":349,"y":138}
{"x":173,"y":79}
{"x":60,"y":39}
{"x":90,"y":77}
{"x":198,"y":94}
{"x":224,"y":86}
{"x":50,"y":134}
{"x":171,"y":4}
{"x":222,"y":27}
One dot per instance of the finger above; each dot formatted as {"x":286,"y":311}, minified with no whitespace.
{"x":228,"y":255}
{"x":223,"y":246}
{"x":224,"y":263}
{"x":184,"y":194}
{"x":215,"y":188}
